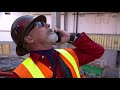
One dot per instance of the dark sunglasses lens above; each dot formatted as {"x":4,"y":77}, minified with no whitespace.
{"x":39,"y":24}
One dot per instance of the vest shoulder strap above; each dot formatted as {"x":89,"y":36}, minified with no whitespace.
{"x":66,"y":71}
{"x":71,"y":59}
{"x":33,"y":68}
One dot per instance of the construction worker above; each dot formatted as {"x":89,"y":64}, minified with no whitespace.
{"x":31,"y":35}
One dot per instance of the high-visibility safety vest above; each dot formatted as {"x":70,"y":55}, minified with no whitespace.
{"x":29,"y":69}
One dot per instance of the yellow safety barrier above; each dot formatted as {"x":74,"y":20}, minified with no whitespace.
{"x":108,"y":41}
{"x":0,"y":49}
{"x":5,"y":49}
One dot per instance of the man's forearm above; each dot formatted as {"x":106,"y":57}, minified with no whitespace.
{"x":85,"y":44}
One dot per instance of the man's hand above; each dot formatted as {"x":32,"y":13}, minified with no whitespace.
{"x":65,"y":36}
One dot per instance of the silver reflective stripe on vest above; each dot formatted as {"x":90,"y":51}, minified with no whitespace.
{"x":33,"y":68}
{"x":71,"y":59}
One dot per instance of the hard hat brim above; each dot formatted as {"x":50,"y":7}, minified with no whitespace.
{"x":19,"y":48}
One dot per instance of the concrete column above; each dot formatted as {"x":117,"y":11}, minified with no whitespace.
{"x":65,"y":21}
{"x":56,"y":22}
{"x":118,"y":62}
{"x":74,"y":22}
{"x":118,"y":59}
{"x":117,"y":31}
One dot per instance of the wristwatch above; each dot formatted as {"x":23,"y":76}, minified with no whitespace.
{"x":73,"y":37}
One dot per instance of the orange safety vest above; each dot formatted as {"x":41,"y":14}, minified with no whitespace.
{"x":29,"y":69}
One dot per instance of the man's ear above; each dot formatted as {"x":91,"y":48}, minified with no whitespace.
{"x":28,"y":39}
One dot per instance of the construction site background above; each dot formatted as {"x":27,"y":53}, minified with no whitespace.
{"x":105,"y":67}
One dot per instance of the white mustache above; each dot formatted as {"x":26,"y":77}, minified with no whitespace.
{"x":50,"y":31}
{"x":52,"y":37}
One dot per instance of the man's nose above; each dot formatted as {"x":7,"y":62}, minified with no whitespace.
{"x":47,"y":25}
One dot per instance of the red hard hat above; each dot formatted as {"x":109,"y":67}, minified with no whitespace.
{"x":20,"y":28}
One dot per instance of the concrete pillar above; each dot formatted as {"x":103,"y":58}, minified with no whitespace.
{"x":118,"y":60}
{"x":56,"y":22}
{"x":74,"y":22}
{"x":117,"y":31}
{"x":65,"y":21}
{"x":119,"y":72}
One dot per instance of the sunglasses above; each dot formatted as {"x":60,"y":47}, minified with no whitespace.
{"x":38,"y":24}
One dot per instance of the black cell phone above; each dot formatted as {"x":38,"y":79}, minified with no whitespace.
{"x":59,"y":37}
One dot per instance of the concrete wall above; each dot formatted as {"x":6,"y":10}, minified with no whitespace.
{"x":98,"y":23}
